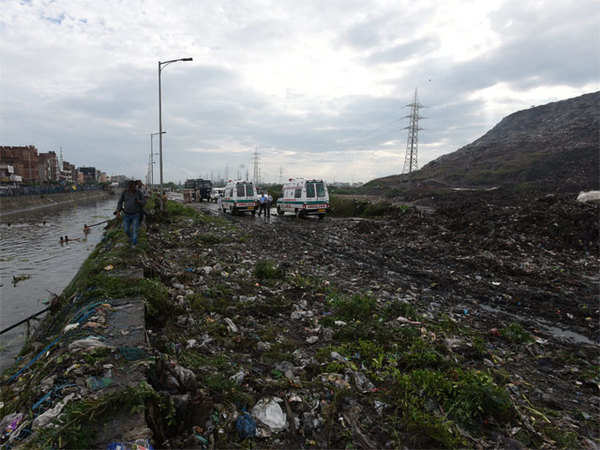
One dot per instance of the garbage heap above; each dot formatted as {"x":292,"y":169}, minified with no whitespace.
{"x":470,"y":327}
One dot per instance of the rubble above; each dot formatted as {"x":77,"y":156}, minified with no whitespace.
{"x":415,"y":330}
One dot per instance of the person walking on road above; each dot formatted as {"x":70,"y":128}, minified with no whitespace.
{"x":132,"y":204}
{"x":220,"y":203}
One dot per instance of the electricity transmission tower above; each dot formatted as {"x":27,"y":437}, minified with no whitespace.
{"x":412,"y":141}
{"x":256,"y":167}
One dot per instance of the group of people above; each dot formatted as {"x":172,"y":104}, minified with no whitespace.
{"x":265,"y":201}
{"x":131,"y":203}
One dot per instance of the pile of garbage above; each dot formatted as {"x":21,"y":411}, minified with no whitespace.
{"x":467,"y":328}
{"x":473,"y":326}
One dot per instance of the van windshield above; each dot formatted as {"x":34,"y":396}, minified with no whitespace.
{"x":240,"y":190}
{"x":249,"y":190}
{"x":320,"y":189}
{"x":310,"y":190}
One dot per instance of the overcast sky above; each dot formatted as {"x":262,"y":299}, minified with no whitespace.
{"x":318,"y":86}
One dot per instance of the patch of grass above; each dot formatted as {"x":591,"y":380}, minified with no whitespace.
{"x":515,"y":333}
{"x":356,"y":307}
{"x":267,"y":269}
{"x":209,"y":239}
{"x":465,"y":396}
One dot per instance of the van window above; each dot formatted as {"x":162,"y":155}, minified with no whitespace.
{"x":298,"y":193}
{"x":320,"y":189}
{"x":249,"y":190}
{"x":241,"y":192}
{"x":310,"y":190}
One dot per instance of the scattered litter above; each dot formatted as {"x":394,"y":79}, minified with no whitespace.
{"x":109,"y":267}
{"x":245,"y":426}
{"x":140,"y":444}
{"x":230,"y":325}
{"x":97,"y":383}
{"x":71,"y":326}
{"x":268,"y":412}
{"x":48,"y":416}
{"x":89,"y":343}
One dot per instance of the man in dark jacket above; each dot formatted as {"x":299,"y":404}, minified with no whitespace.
{"x":131,"y":203}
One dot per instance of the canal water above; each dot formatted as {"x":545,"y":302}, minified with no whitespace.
{"x":31,"y":248}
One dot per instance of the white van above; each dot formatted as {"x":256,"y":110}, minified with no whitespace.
{"x":304,"y":197}
{"x":239,"y":196}
{"x":215,"y":193}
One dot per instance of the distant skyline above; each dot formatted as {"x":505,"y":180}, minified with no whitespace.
{"x":319,"y":88}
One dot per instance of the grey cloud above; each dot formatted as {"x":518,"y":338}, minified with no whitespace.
{"x":404,"y":51}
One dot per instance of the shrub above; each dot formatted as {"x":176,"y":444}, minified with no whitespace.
{"x":267,"y":269}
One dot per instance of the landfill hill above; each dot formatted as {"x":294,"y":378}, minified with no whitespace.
{"x":552,"y":148}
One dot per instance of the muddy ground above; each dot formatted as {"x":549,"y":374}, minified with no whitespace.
{"x":472,"y":326}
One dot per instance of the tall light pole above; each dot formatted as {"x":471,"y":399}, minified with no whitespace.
{"x":162,"y":64}
{"x":152,"y":155}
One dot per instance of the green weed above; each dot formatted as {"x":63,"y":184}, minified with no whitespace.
{"x":515,"y":333}
{"x":267,"y":269}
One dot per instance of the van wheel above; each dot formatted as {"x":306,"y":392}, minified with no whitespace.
{"x":280,"y":211}
{"x":254,"y":212}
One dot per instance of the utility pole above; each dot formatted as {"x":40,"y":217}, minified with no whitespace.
{"x":412,"y":141}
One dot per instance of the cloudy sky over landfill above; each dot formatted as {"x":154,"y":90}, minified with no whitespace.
{"x":319,"y":87}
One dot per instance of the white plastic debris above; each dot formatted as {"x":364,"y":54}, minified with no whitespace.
{"x":590,"y":196}
{"x":405,"y":320}
{"x":71,"y":326}
{"x":232,"y":327}
{"x":89,"y":343}
{"x":238,"y":377}
{"x":44,"y":419}
{"x":312,"y":339}
{"x":268,"y":412}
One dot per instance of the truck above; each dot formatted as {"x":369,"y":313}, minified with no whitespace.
{"x":196,"y":190}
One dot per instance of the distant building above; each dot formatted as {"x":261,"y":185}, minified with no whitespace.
{"x":80,"y":177}
{"x":89,"y":174}
{"x":102,"y":177}
{"x":7,"y":174}
{"x":23,"y":159}
{"x":48,"y":167}
{"x":69,"y":172}
{"x":118,"y":179}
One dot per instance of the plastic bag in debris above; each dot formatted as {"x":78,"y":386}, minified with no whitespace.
{"x":591,"y":196}
{"x":97,"y":383}
{"x":245,"y":426}
{"x":9,"y":424}
{"x":44,"y":419}
{"x":140,"y":444}
{"x":268,"y":412}
{"x":89,"y":343}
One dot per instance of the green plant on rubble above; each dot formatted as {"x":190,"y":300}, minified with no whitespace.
{"x":267,"y":269}
{"x":81,"y":419}
{"x":356,"y":307}
{"x":209,"y":239}
{"x":464,"y":396}
{"x":421,"y":354}
{"x":515,"y":333}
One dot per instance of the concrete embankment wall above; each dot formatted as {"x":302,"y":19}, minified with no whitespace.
{"x":23,"y":203}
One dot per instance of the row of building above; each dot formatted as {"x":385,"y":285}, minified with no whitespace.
{"x":26,"y":165}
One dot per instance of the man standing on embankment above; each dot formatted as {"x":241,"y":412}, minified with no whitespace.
{"x":131,"y":203}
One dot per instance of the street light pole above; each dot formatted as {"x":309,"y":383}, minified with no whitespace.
{"x":152,"y":153}
{"x":160,"y":131}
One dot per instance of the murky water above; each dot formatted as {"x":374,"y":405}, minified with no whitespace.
{"x":31,"y":247}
